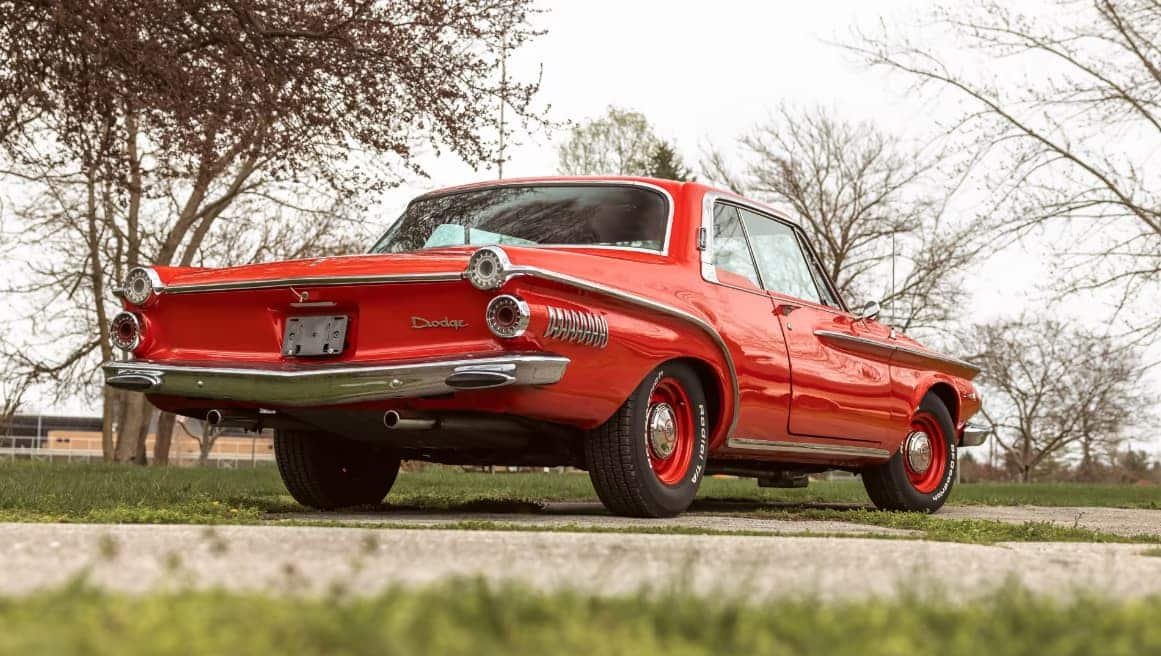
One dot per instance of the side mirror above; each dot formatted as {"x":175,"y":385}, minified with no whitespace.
{"x":870,"y":311}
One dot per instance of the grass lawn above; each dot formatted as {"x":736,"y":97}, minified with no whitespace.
{"x":468,"y":617}
{"x":31,"y":491}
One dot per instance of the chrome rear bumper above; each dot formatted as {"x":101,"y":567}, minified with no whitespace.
{"x":974,"y":434}
{"x":332,"y":384}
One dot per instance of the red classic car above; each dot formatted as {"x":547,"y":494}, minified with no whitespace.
{"x":649,"y":331}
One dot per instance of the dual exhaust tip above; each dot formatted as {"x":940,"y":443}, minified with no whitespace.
{"x":392,"y":419}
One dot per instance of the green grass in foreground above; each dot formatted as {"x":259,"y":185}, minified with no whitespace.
{"x":32,"y":491}
{"x":468,"y":617}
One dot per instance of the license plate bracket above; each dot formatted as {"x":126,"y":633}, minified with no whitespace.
{"x":314,"y":335}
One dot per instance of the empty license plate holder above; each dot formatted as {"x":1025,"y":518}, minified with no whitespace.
{"x":314,"y":335}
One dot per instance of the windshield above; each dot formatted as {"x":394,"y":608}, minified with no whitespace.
{"x":572,"y":215}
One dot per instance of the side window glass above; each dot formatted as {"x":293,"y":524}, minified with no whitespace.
{"x":732,"y":259}
{"x":828,"y":297}
{"x":780,"y":258}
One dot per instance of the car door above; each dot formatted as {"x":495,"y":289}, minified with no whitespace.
{"x":835,"y":392}
{"x":741,"y":309}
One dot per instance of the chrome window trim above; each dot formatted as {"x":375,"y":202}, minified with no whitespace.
{"x":709,"y":272}
{"x":599,"y":182}
{"x":648,"y":303}
{"x":890,"y":348}
{"x":811,"y":448}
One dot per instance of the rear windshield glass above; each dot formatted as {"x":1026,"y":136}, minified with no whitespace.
{"x":563,"y":215}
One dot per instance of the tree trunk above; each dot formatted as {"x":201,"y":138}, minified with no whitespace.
{"x":110,"y":398}
{"x":206,"y":444}
{"x":204,"y":447}
{"x":134,"y":424}
{"x":164,"y":439}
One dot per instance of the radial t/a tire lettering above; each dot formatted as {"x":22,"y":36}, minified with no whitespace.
{"x":648,"y":459}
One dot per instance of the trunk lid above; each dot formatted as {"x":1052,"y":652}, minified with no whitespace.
{"x":396,"y":306}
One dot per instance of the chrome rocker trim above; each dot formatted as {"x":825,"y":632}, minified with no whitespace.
{"x":811,"y":448}
{"x":333,"y":384}
{"x":974,"y":434}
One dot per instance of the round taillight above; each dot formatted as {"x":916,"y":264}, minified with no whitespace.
{"x":507,"y":316}
{"x":140,"y":285}
{"x":487,"y":268}
{"x":125,"y":331}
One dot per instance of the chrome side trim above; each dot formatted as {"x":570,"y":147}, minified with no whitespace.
{"x":909,"y":354}
{"x":974,"y":434}
{"x":648,"y":303}
{"x":330,"y":385}
{"x":313,"y":281}
{"x":811,"y":448}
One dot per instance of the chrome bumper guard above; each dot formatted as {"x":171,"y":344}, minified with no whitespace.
{"x":332,"y":385}
{"x":974,"y":434}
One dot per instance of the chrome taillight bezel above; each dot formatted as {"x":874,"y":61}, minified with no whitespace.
{"x":507,"y":316}
{"x":125,"y":331}
{"x":140,"y":286}
{"x":488,"y":268}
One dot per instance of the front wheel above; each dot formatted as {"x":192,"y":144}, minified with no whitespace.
{"x":919,"y":477}
{"x":327,"y":472}
{"x":648,"y":459}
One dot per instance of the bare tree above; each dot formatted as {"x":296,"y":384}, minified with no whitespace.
{"x":204,"y":434}
{"x":620,"y":142}
{"x":868,"y":203}
{"x":1066,"y":113}
{"x":1051,"y":390}
{"x":141,"y":126}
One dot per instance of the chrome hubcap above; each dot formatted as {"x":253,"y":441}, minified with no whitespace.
{"x":918,"y":450}
{"x":662,"y":430}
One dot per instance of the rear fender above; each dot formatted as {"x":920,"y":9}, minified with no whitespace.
{"x":642,"y":334}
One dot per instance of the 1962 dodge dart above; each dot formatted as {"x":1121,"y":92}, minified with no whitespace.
{"x":648,"y":331}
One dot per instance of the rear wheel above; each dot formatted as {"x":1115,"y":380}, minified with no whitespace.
{"x":648,"y":459}
{"x":326,"y":472}
{"x":919,"y":477}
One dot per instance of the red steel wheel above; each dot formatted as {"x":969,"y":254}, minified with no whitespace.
{"x":669,"y":431}
{"x":649,"y":458}
{"x":925,"y":452}
{"x":921,"y":473}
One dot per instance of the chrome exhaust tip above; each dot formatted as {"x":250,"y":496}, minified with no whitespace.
{"x":393,"y":420}
{"x":220,"y":419}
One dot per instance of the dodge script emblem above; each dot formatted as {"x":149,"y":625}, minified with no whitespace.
{"x":420,"y":322}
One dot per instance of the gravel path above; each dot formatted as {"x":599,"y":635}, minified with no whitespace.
{"x":312,"y":559}
{"x":1117,"y":521}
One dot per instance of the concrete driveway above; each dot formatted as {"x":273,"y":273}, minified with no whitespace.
{"x":312,"y":560}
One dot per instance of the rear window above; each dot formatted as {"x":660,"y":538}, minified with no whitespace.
{"x":559,"y":215}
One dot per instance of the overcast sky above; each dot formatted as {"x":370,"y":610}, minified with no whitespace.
{"x":704,"y":76}
{"x":703,"y":73}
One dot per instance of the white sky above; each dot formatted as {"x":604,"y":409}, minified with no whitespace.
{"x":705,"y":76}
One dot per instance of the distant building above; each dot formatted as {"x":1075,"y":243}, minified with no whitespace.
{"x":55,"y":437}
